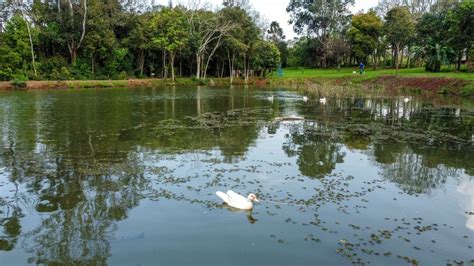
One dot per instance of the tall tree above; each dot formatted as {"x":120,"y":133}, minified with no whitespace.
{"x":461,"y":28}
{"x":433,"y":42}
{"x":171,"y":32}
{"x":100,"y":40}
{"x":364,"y":34}
{"x":140,"y":39}
{"x":207,"y":30}
{"x":267,"y":57}
{"x":74,"y":26}
{"x":276,"y":32}
{"x":320,"y":18}
{"x":399,"y":29}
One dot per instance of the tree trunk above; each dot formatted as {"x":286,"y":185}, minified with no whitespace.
{"x":408,"y":57}
{"x":198,"y":66}
{"x":374,"y":61}
{"x":245,"y":68}
{"x":172,"y":56}
{"x":222,"y":69}
{"x":401,"y":57}
{"x":323,"y":58}
{"x":397,"y":50}
{"x":231,"y":70}
{"x":73,"y":47}
{"x":73,"y":54}
{"x":458,"y":67}
{"x":141,"y":61}
{"x":210,"y":57}
{"x":92,"y":63}
{"x":31,"y":44}
{"x":164,"y":71}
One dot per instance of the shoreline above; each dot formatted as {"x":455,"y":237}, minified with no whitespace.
{"x":391,"y":83}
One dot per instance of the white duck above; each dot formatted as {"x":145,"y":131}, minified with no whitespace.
{"x":406,"y":100}
{"x":322,"y":100}
{"x":305,"y":99}
{"x":271,"y":98}
{"x":237,"y":201}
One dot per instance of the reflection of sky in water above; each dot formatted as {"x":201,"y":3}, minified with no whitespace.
{"x":466,"y":189}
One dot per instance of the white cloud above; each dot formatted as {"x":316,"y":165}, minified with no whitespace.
{"x":275,"y":10}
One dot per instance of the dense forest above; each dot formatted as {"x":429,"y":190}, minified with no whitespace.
{"x":116,"y":39}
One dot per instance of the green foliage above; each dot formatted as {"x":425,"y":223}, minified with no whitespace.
{"x":436,"y":55}
{"x":277,"y":37}
{"x":468,"y":90}
{"x":267,"y":56}
{"x":6,"y":73}
{"x":15,"y":49}
{"x":19,"y":82}
{"x":201,"y":82}
{"x":171,"y":29}
{"x":461,"y":27}
{"x":365,"y":34}
{"x":51,"y":68}
{"x":118,"y":41}
{"x":399,"y":26}
{"x":319,"y":16}
{"x":122,"y":75}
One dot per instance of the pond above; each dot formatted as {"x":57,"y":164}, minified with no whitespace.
{"x":128,"y":177}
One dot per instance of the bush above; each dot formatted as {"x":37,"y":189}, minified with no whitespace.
{"x":122,"y":75}
{"x":81,"y":70}
{"x":19,"y":81}
{"x":468,"y":90}
{"x":19,"y":84}
{"x":6,"y":74}
{"x":51,"y":67}
{"x":200,"y":81}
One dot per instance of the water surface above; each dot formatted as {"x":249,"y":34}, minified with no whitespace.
{"x":127,"y":177}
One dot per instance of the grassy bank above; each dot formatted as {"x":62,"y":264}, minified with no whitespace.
{"x":293,"y":73}
{"x":415,"y":80}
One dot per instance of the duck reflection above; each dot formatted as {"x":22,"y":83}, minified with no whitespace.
{"x":249,"y":213}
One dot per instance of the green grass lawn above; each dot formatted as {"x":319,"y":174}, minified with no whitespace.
{"x":369,"y":73}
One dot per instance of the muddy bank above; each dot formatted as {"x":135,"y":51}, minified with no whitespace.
{"x":433,"y":85}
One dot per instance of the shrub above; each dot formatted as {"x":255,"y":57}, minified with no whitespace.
{"x":51,"y":67}
{"x":6,"y":74}
{"x":122,"y":75}
{"x":19,"y":82}
{"x":200,"y":81}
{"x":468,"y":89}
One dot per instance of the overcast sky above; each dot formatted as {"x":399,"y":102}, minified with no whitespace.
{"x":275,"y":10}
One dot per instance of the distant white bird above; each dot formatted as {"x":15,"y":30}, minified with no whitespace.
{"x":237,"y":201}
{"x":322,"y":100}
{"x":305,"y":99}
{"x":271,"y":98}
{"x":406,"y":100}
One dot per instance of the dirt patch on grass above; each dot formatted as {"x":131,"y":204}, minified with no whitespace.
{"x":435,"y":85}
{"x":5,"y":85}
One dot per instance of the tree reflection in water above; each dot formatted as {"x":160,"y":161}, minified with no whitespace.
{"x":317,"y":152}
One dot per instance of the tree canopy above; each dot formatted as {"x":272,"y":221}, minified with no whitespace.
{"x":98,"y":39}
